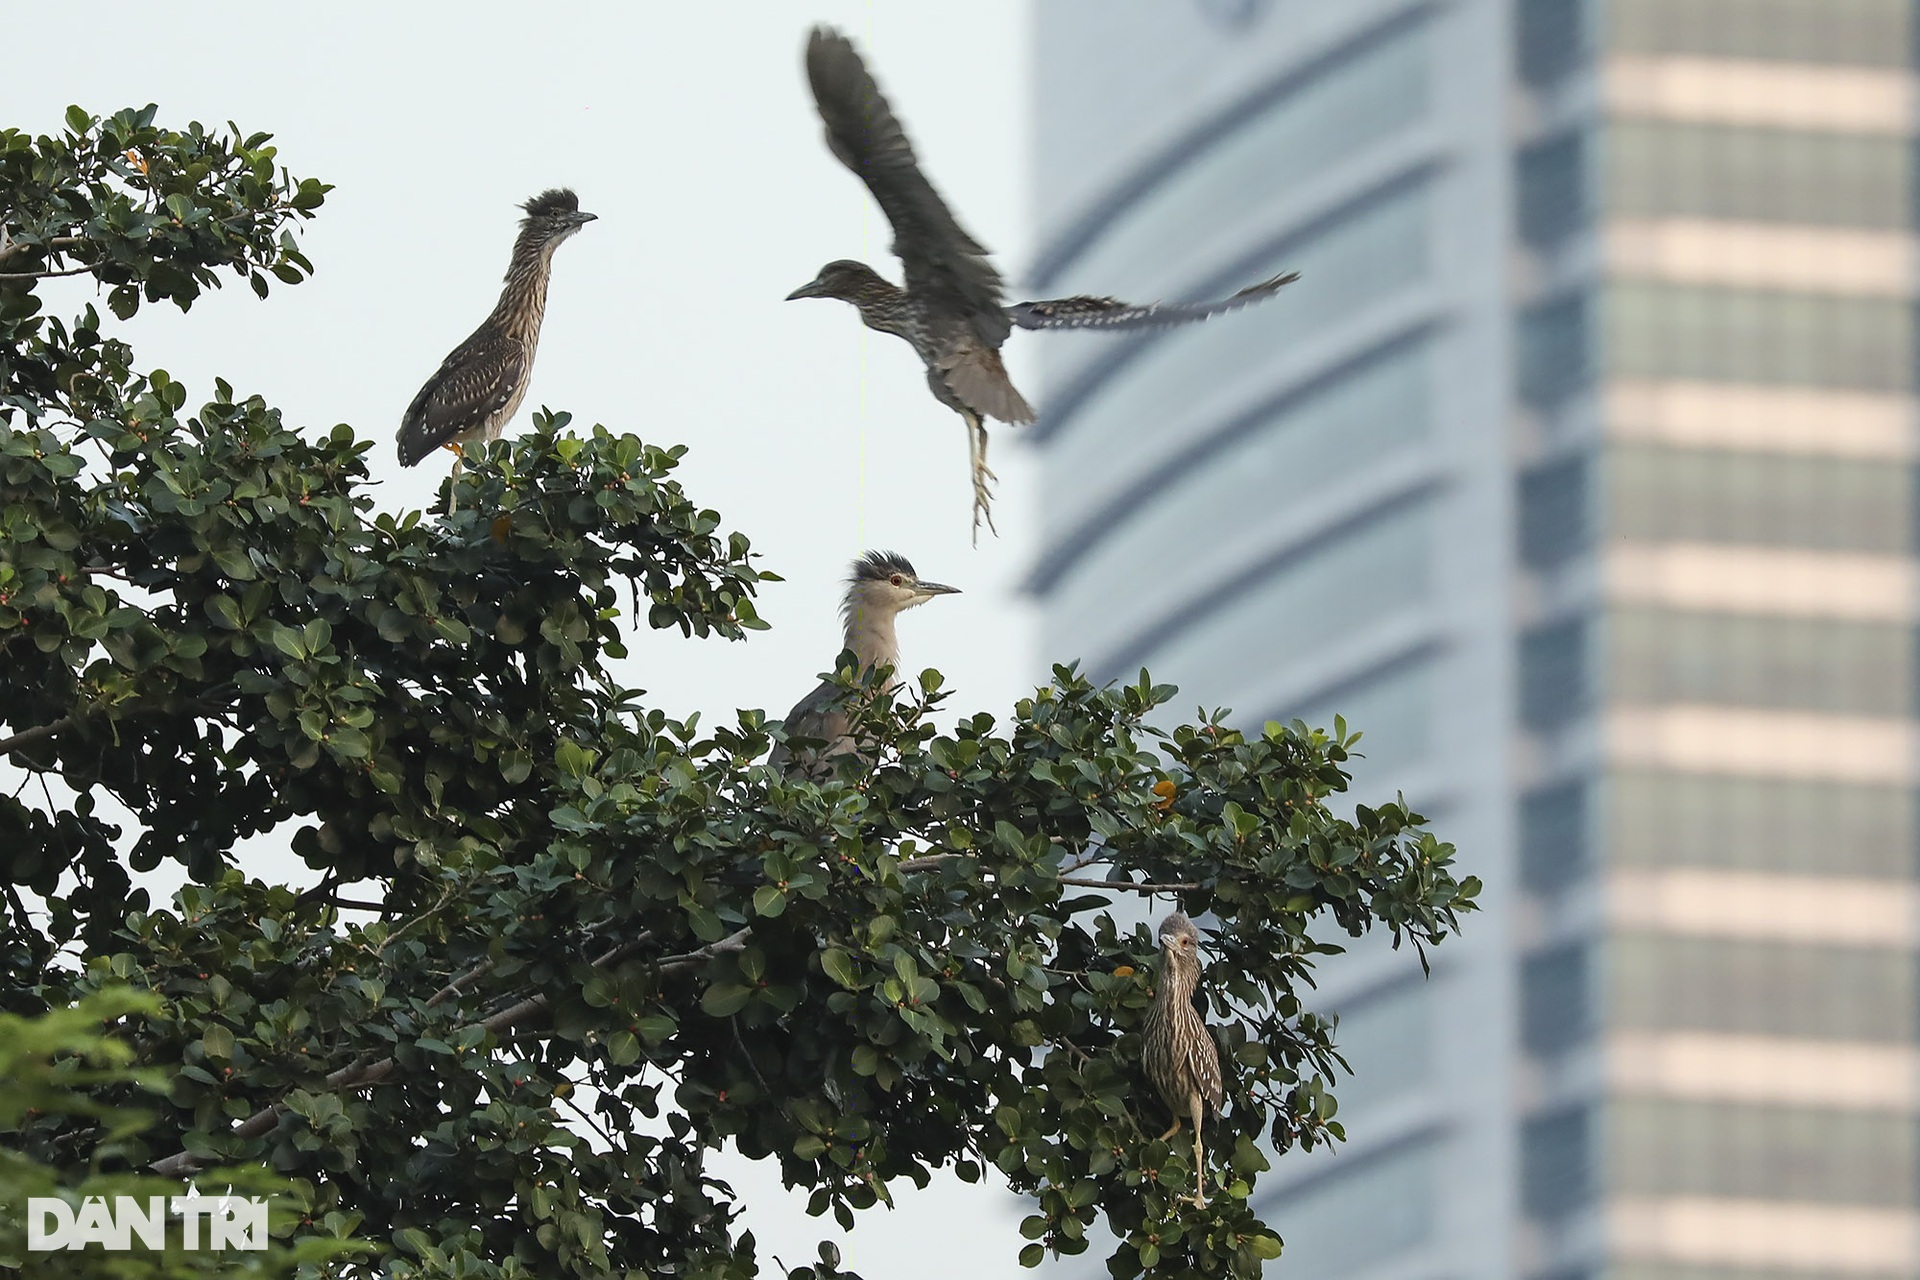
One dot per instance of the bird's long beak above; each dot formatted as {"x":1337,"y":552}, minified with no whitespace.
{"x":931,"y":589}
{"x":583,"y":217}
{"x":811,"y":289}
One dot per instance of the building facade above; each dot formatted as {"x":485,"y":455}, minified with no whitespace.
{"x":1577,"y":472}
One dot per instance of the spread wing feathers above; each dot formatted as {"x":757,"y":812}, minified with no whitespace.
{"x":483,"y":378}
{"x":943,"y":264}
{"x":978,"y":377}
{"x":1083,"y":312}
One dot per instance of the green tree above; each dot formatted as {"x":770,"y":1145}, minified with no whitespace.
{"x":601,"y":942}
{"x":53,"y":1070}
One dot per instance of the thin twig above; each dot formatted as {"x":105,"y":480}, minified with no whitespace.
{"x":591,"y":1122}
{"x":452,"y":989}
{"x":48,"y":275}
{"x":929,"y":862}
{"x":356,"y":904}
{"x":1129,"y":885}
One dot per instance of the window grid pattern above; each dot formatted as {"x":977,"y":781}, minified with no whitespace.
{"x":1872,"y":33}
{"x":1670,"y":169}
{"x":1779,"y":826}
{"x":1827,"y":665}
{"x":1658,"y":982}
{"x":1768,"y":337}
{"x":1670,"y":1147}
{"x":1660,"y":494}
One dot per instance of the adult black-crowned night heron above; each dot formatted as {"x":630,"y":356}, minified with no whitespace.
{"x":478,"y":388}
{"x":882,"y":586}
{"x":1176,"y":1049}
{"x":951,"y":310}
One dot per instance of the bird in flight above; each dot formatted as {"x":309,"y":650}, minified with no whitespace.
{"x":478,"y":388}
{"x":952,"y":309}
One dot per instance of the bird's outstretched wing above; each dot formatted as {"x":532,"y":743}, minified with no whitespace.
{"x":484,"y":375}
{"x":944,"y":265}
{"x":1084,"y":312}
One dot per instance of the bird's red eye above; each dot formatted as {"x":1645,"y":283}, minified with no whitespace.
{"x":897,"y":580}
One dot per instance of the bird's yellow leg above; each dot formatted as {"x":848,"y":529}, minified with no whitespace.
{"x":453,"y":479}
{"x":1199,"y":1162}
{"x":982,"y":477}
{"x":1169,"y":1133}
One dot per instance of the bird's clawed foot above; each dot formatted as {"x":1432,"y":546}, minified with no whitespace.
{"x":983,"y":477}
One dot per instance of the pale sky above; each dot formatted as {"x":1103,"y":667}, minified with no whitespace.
{"x":688,"y":129}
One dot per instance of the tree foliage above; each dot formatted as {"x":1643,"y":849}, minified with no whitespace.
{"x":558,"y":946}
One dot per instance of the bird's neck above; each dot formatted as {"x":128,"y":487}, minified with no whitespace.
{"x":882,"y":306}
{"x":523,"y":300}
{"x":873,"y":640}
{"x":1178,"y":979}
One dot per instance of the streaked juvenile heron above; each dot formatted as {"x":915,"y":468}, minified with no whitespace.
{"x":478,"y":388}
{"x":882,"y":586}
{"x":1177,"y":1050}
{"x":952,"y":310}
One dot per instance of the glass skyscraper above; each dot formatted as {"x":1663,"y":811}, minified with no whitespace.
{"x":1577,"y":471}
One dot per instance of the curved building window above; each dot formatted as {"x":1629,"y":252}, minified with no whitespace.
{"x":1737,"y":1151}
{"x":1555,"y":666}
{"x":1349,"y":265}
{"x":1320,"y":596}
{"x":1659,"y":494}
{"x":1801,"y":664}
{"x":1669,"y":169}
{"x":1663,"y":983}
{"x":1364,"y":1211}
{"x":1859,"y":32}
{"x":1393,"y":711}
{"x":1309,"y":443}
{"x":1555,"y":836}
{"x":1553,"y":350}
{"x":1755,"y":824}
{"x":1387,"y":1038}
{"x":1553,"y":193}
{"x":1759,"y":336}
{"x":1254,"y":163}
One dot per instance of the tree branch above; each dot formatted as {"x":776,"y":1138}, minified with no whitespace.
{"x":58,"y":243}
{"x":183,"y":1163}
{"x":1129,"y":885}
{"x":27,"y":737}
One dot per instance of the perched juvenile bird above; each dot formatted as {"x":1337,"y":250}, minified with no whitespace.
{"x":477,"y":390}
{"x":1176,"y":1048}
{"x":882,"y":586}
{"x":951,"y":309}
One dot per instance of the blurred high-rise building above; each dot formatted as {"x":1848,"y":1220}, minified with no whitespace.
{"x":1578,"y":472}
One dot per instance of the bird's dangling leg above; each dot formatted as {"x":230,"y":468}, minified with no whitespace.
{"x":983,"y":476}
{"x":1169,"y":1133}
{"x":1199,"y":1159}
{"x":453,"y":478}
